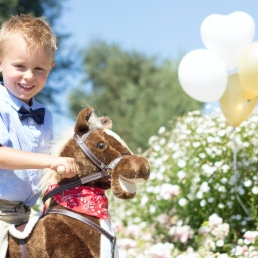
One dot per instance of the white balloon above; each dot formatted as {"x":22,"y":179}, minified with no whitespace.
{"x":228,"y":35}
{"x":203,"y":75}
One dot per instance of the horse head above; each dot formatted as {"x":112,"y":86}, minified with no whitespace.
{"x":96,"y":149}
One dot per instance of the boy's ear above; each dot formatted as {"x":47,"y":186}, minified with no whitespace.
{"x":53,"y":64}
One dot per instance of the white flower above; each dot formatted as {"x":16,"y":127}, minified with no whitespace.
{"x":204,"y":187}
{"x":202,"y":155}
{"x":208,"y":170}
{"x":247,"y":183}
{"x":250,"y":236}
{"x":220,"y":231}
{"x":162,"y":129}
{"x":229,"y":204}
{"x":222,"y":189}
{"x":181,"y":233}
{"x":225,"y":168}
{"x":238,"y":217}
{"x":181,"y":163}
{"x":152,"y":139}
{"x":223,"y":256}
{"x":167,"y":191}
{"x":240,"y":190}
{"x":181,"y":174}
{"x":255,"y":190}
{"x":224,"y":180}
{"x":152,"y":209}
{"x":182,"y":202}
{"x":239,"y":251}
{"x":221,"y":205}
{"x":209,"y":244}
{"x":160,"y":250}
{"x":157,"y":147}
{"x":211,"y":199}
{"x":144,"y":200}
{"x":220,"y":243}
{"x":127,"y":243}
{"x":163,"y":218}
{"x":204,"y":230}
{"x":215,"y":220}
{"x":203,"y":203}
{"x":199,"y":195}
{"x":162,"y":141}
{"x":196,"y":144}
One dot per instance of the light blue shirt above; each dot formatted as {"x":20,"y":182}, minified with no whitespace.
{"x":27,"y":135}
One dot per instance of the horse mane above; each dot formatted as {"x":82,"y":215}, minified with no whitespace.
{"x":94,"y":122}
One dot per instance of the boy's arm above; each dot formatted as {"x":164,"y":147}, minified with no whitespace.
{"x":16,"y":159}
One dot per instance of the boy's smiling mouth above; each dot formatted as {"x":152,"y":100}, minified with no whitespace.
{"x":25,"y":86}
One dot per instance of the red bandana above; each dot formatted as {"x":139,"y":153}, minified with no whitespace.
{"x":84,"y":199}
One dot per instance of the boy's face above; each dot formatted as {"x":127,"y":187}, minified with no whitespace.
{"x":24,"y":69}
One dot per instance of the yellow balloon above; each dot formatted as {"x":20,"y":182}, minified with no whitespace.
{"x":234,"y":105}
{"x":248,"y":70}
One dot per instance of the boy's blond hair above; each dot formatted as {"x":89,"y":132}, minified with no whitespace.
{"x":35,"y":31}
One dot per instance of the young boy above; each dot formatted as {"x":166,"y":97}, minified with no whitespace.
{"x":27,"y":49}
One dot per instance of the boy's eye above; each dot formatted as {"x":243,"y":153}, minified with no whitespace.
{"x":39,"y":69}
{"x":19,"y":66}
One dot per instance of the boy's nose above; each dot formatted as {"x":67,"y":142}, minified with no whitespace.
{"x":28,"y":75}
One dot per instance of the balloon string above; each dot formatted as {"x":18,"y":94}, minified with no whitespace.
{"x":236,"y":173}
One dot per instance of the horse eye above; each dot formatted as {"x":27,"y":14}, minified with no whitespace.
{"x":101,"y":145}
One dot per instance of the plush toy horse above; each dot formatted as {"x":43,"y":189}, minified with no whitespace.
{"x":76,"y":222}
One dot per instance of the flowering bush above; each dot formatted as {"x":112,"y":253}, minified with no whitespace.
{"x":202,"y":196}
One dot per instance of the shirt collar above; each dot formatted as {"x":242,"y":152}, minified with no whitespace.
{"x":14,"y":101}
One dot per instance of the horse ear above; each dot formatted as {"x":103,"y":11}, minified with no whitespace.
{"x":106,"y":122}
{"x":83,"y":117}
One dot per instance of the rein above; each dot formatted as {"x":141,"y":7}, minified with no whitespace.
{"x":88,"y":222}
{"x":75,"y":183}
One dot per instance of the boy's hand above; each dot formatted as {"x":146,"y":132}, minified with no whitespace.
{"x":65,"y":167}
{"x":61,"y":170}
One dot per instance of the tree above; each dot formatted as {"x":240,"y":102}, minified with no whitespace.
{"x":139,"y":93}
{"x":51,"y":10}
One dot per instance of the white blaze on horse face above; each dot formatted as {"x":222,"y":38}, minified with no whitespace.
{"x":117,"y":137}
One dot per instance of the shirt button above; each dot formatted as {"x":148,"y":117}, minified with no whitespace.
{"x":35,"y":144}
{"x":31,"y":121}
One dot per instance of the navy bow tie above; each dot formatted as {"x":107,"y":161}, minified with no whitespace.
{"x":37,"y":114}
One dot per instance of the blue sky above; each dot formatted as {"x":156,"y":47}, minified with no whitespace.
{"x":164,"y":28}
